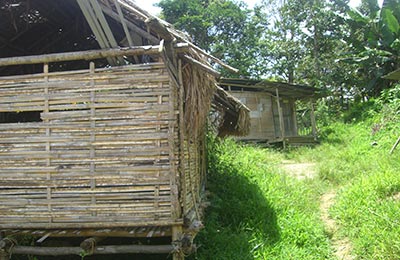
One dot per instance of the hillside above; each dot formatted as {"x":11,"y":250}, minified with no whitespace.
{"x":260,"y":210}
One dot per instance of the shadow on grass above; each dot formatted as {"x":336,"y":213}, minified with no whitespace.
{"x":239,"y":221}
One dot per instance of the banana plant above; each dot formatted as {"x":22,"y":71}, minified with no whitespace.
{"x":374,"y":41}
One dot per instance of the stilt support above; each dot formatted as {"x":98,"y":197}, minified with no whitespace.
{"x":177,"y":234}
{"x":6,"y":245}
{"x":89,"y":245}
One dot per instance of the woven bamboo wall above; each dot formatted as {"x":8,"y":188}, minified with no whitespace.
{"x":194,"y":176}
{"x":104,"y":155}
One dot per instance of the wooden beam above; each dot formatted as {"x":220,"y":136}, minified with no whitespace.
{"x":313,"y":122}
{"x":132,"y":26}
{"x":80,"y":55}
{"x":177,"y":234}
{"x":95,"y":27}
{"x":123,"y":22}
{"x":160,"y":29}
{"x":90,"y":244}
{"x":216,"y":60}
{"x":105,"y":27}
{"x":202,"y":66}
{"x":294,"y":116}
{"x":144,"y":15}
{"x":101,"y":250}
{"x":281,"y":121}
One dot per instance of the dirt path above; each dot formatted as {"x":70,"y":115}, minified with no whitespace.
{"x":341,"y":246}
{"x":299,"y":170}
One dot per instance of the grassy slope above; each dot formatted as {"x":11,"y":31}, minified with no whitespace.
{"x":354,"y":159}
{"x":368,"y":179}
{"x":258,"y":213}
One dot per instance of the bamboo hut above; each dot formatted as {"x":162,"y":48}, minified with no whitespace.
{"x":274,"y":116}
{"x":103,"y":110}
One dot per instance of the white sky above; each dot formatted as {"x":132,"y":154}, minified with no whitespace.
{"x":148,"y":4}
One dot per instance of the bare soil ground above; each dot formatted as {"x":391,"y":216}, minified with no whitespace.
{"x":341,"y":245}
{"x":299,"y":170}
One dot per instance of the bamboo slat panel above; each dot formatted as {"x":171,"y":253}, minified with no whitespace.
{"x":101,"y":155}
{"x":194,"y":176}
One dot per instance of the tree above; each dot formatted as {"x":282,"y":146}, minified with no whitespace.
{"x":305,"y":40}
{"x":227,"y":29}
{"x":375,"y":43}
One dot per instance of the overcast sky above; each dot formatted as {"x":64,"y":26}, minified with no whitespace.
{"x":148,"y":4}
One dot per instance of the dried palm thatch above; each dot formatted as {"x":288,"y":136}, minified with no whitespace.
{"x":199,"y":88}
{"x":232,"y":116}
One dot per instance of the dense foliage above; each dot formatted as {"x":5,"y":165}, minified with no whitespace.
{"x":320,"y":43}
{"x":227,"y":29}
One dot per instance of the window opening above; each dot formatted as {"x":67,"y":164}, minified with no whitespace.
{"x":20,"y":117}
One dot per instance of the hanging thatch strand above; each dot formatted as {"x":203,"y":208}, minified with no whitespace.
{"x":232,"y":116}
{"x":199,"y":90}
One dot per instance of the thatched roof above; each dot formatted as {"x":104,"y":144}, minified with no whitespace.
{"x":36,"y":27}
{"x":285,"y":89}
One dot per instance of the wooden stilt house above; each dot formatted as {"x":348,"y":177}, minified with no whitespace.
{"x":275,"y":115}
{"x":103,"y":110}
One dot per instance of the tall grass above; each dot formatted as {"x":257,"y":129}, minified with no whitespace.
{"x":368,"y":202}
{"x":256,"y":211}
{"x":354,"y":158}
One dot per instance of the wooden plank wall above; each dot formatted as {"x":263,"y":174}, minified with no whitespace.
{"x":102,"y":156}
{"x":261,"y":114}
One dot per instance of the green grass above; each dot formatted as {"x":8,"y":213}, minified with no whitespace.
{"x":256,"y":211}
{"x":368,"y":182}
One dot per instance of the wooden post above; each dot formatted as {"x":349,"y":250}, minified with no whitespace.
{"x":313,"y":122}
{"x":4,"y":255}
{"x":281,"y":122}
{"x":6,"y":245}
{"x":294,"y":115}
{"x":177,"y":234}
{"x":182,"y":161}
{"x":89,"y":245}
{"x":92,"y":169}
{"x":48,"y":134}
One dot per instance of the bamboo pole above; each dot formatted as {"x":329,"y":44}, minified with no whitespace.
{"x":6,"y":245}
{"x":103,"y":250}
{"x":182,"y":162}
{"x":202,"y":66}
{"x":89,"y":245}
{"x":48,"y":134}
{"x":80,"y":55}
{"x":131,"y":25}
{"x":177,"y":234}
